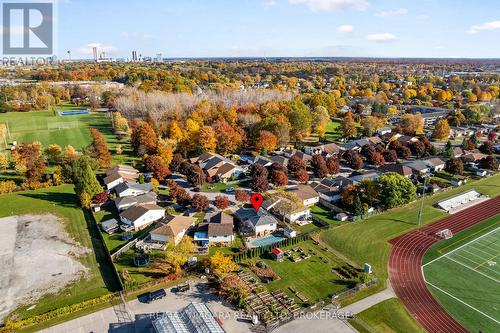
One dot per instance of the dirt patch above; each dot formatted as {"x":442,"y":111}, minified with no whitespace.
{"x":37,"y":257}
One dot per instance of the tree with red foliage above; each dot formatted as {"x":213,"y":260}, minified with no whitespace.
{"x":30,"y":156}
{"x":279,"y":178}
{"x":318,"y":164}
{"x":241,"y":195}
{"x":487,"y":148}
{"x":396,"y":144}
{"x":176,"y":162}
{"x":173,"y":188}
{"x":100,"y":198}
{"x":195,"y":175}
{"x":183,"y":198}
{"x":417,"y":148}
{"x":333,"y":165}
{"x":155,"y":165}
{"x":353,"y":159}
{"x":377,"y":158}
{"x":492,"y":136}
{"x":199,"y":202}
{"x":390,"y":155}
{"x":295,"y":164}
{"x":259,"y":178}
{"x":490,"y":163}
{"x":348,"y":194}
{"x":143,"y":139}
{"x":404,"y":152}
{"x":222,"y":202}
{"x":427,"y":144}
{"x":302,"y":176}
{"x":98,"y":149}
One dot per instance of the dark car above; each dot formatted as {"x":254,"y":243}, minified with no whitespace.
{"x":155,"y":295}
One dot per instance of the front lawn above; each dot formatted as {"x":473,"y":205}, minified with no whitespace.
{"x":217,"y":187}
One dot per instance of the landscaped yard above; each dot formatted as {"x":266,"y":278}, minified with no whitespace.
{"x":62,"y":201}
{"x":217,"y":187}
{"x":312,"y":277}
{"x":324,"y":214}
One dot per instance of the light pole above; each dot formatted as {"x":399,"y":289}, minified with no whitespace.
{"x":422,"y":202}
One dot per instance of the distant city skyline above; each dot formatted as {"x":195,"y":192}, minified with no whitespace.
{"x":279,"y":28}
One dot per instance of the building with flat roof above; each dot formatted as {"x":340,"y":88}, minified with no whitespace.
{"x":194,"y":318}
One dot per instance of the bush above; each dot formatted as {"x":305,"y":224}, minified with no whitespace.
{"x":7,"y":186}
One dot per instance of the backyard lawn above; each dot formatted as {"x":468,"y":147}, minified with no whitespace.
{"x":62,"y":201}
{"x":312,"y":277}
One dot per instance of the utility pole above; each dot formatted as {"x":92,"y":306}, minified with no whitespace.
{"x":422,"y":204}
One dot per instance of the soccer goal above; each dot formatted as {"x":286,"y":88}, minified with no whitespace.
{"x":62,"y":125}
{"x":445,"y":234}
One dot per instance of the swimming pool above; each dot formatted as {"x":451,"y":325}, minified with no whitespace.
{"x":266,"y":241}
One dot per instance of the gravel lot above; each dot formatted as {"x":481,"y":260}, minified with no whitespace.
{"x":37,"y":257}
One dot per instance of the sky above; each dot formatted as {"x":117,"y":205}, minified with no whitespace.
{"x":274,"y":28}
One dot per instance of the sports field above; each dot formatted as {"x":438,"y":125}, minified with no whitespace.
{"x":463,"y":273}
{"x":47,"y":128}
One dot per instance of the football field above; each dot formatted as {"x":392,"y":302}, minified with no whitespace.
{"x":465,"y":278}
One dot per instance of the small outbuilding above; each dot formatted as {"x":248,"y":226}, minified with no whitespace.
{"x":277,"y":254}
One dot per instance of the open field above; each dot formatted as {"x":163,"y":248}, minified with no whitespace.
{"x":313,"y":277}
{"x":394,"y":318}
{"x":465,"y":278}
{"x":61,"y":201}
{"x":43,"y":126}
{"x":36,"y":243}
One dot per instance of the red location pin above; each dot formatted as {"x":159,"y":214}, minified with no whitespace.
{"x":256,"y":199}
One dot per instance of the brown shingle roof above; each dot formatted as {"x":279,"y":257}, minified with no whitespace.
{"x":135,"y":212}
{"x":220,"y":229}
{"x":304,"y":192}
{"x":175,"y":224}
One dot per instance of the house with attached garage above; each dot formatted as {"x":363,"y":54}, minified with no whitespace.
{"x":255,"y":223}
{"x":219,"y":229}
{"x":123,"y":203}
{"x":119,"y":174}
{"x":306,"y":194}
{"x":217,"y":167}
{"x":172,"y":229}
{"x":435,"y":164}
{"x":133,"y":189}
{"x":140,"y":216}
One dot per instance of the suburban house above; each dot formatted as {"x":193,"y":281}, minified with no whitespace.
{"x":473,"y":157}
{"x":262,"y":160}
{"x":278,"y":159}
{"x":360,"y":143}
{"x":219,"y":229}
{"x":329,"y":149}
{"x":303,"y":156}
{"x":256,"y":223}
{"x":306,"y":194}
{"x":217,"y":167}
{"x":132,"y":189}
{"x":120,"y":174}
{"x":300,"y":215}
{"x":355,"y":178}
{"x":420,"y":168}
{"x":458,"y":152}
{"x":328,"y":193}
{"x":384,"y":130}
{"x":403,"y":170}
{"x":140,"y":216}
{"x":123,"y":203}
{"x":173,"y":228}
{"x":435,"y":164}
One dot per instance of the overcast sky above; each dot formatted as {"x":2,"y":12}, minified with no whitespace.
{"x":222,"y":28}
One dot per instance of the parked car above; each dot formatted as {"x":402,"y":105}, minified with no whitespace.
{"x":155,"y":295}
{"x":230,"y":190}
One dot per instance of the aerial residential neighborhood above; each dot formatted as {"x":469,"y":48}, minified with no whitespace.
{"x":255,"y":166}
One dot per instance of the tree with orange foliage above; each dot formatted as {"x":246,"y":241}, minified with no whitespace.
{"x":241,"y":195}
{"x":221,"y":202}
{"x":301,"y":176}
{"x":208,"y":139}
{"x":98,"y":149}
{"x":348,"y":194}
{"x":267,"y":141}
{"x":143,"y":138}
{"x":229,"y":139}
{"x":348,"y":126}
{"x":441,"y":130}
{"x":30,"y":156}
{"x":155,"y":165}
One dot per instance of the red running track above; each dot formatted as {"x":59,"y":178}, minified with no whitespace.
{"x":405,"y":266}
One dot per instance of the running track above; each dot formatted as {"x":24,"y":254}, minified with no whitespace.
{"x":405,"y":262}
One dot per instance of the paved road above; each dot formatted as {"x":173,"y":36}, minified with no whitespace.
{"x":324,"y":321}
{"x":117,"y":320}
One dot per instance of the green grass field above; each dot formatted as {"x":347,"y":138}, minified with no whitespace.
{"x":367,"y":240}
{"x":465,"y":277}
{"x":389,"y":316}
{"x":62,"y":201}
{"x":312,"y":277}
{"x":26,"y":127}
